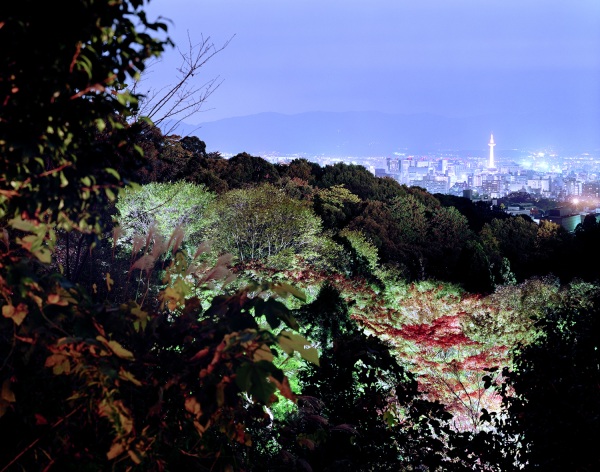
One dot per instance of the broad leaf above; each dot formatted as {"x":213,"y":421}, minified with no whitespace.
{"x":291,"y":342}
{"x":274,"y":311}
{"x":254,"y":379}
{"x":283,"y":289}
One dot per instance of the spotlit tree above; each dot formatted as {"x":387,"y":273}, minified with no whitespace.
{"x":262,"y":222}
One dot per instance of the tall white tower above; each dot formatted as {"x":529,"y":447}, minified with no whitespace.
{"x":491,"y":144}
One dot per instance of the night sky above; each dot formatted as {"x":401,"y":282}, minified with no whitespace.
{"x":454,"y":58}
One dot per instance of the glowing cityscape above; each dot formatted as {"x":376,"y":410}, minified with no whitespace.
{"x":571,"y":182}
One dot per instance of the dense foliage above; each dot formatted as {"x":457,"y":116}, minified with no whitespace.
{"x":551,"y":397}
{"x":92,"y":379}
{"x":262,"y":223}
{"x":233,"y":314}
{"x":166,"y":207}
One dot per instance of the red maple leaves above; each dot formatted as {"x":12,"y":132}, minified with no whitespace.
{"x":444,"y":332}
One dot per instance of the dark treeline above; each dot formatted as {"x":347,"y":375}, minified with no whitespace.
{"x":424,"y":236}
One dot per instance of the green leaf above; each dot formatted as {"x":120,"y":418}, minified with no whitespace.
{"x":44,"y":255}
{"x":113,"y":172}
{"x":22,"y":225}
{"x":100,"y":124}
{"x":120,"y":351}
{"x":254,"y":379}
{"x":283,"y":289}
{"x":274,"y":311}
{"x":291,"y":342}
{"x":390,"y":419}
{"x":139,"y":150}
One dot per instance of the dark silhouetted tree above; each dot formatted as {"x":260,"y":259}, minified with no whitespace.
{"x":551,"y":396}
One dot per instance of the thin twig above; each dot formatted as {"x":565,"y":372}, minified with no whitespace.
{"x":56,"y":423}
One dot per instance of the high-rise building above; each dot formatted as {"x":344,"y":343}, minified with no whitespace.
{"x":491,"y":187}
{"x":591,"y":189}
{"x":491,"y":164}
{"x":393,"y":165}
{"x":404,"y":171}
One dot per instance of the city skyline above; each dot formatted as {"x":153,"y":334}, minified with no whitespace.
{"x":574,"y":179}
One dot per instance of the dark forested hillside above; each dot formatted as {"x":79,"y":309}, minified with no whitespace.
{"x":424,"y":235}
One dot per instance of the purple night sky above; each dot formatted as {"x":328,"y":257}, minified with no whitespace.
{"x":447,"y":57}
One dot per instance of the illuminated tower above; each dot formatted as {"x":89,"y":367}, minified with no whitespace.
{"x":491,"y":145}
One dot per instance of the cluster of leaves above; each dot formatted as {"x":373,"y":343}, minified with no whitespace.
{"x":64,"y":140}
{"x":360,"y":409}
{"x":62,"y":132}
{"x":447,"y":337}
{"x":438,"y":332}
{"x":262,"y":223}
{"x":156,"y":388}
{"x":167,"y":206}
{"x":551,"y":399}
{"x":424,"y":324}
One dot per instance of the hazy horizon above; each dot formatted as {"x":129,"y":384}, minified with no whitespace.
{"x":456,"y":59}
{"x":376,"y":133}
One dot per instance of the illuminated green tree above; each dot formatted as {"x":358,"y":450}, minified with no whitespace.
{"x":334,"y":206}
{"x":166,"y":206}
{"x":262,"y":222}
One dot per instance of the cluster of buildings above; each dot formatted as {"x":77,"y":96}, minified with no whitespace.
{"x":574,"y":181}
{"x":545,"y":175}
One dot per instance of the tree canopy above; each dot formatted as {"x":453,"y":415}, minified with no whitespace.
{"x":263,"y":222}
{"x":167,"y":207}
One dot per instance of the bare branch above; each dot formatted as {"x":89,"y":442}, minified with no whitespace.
{"x":172,"y":104}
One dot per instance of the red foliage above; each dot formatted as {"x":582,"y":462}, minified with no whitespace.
{"x":449,"y":364}
{"x":444,"y":332}
{"x":483,"y":359}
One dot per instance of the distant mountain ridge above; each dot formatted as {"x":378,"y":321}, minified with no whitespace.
{"x":364,"y":134}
